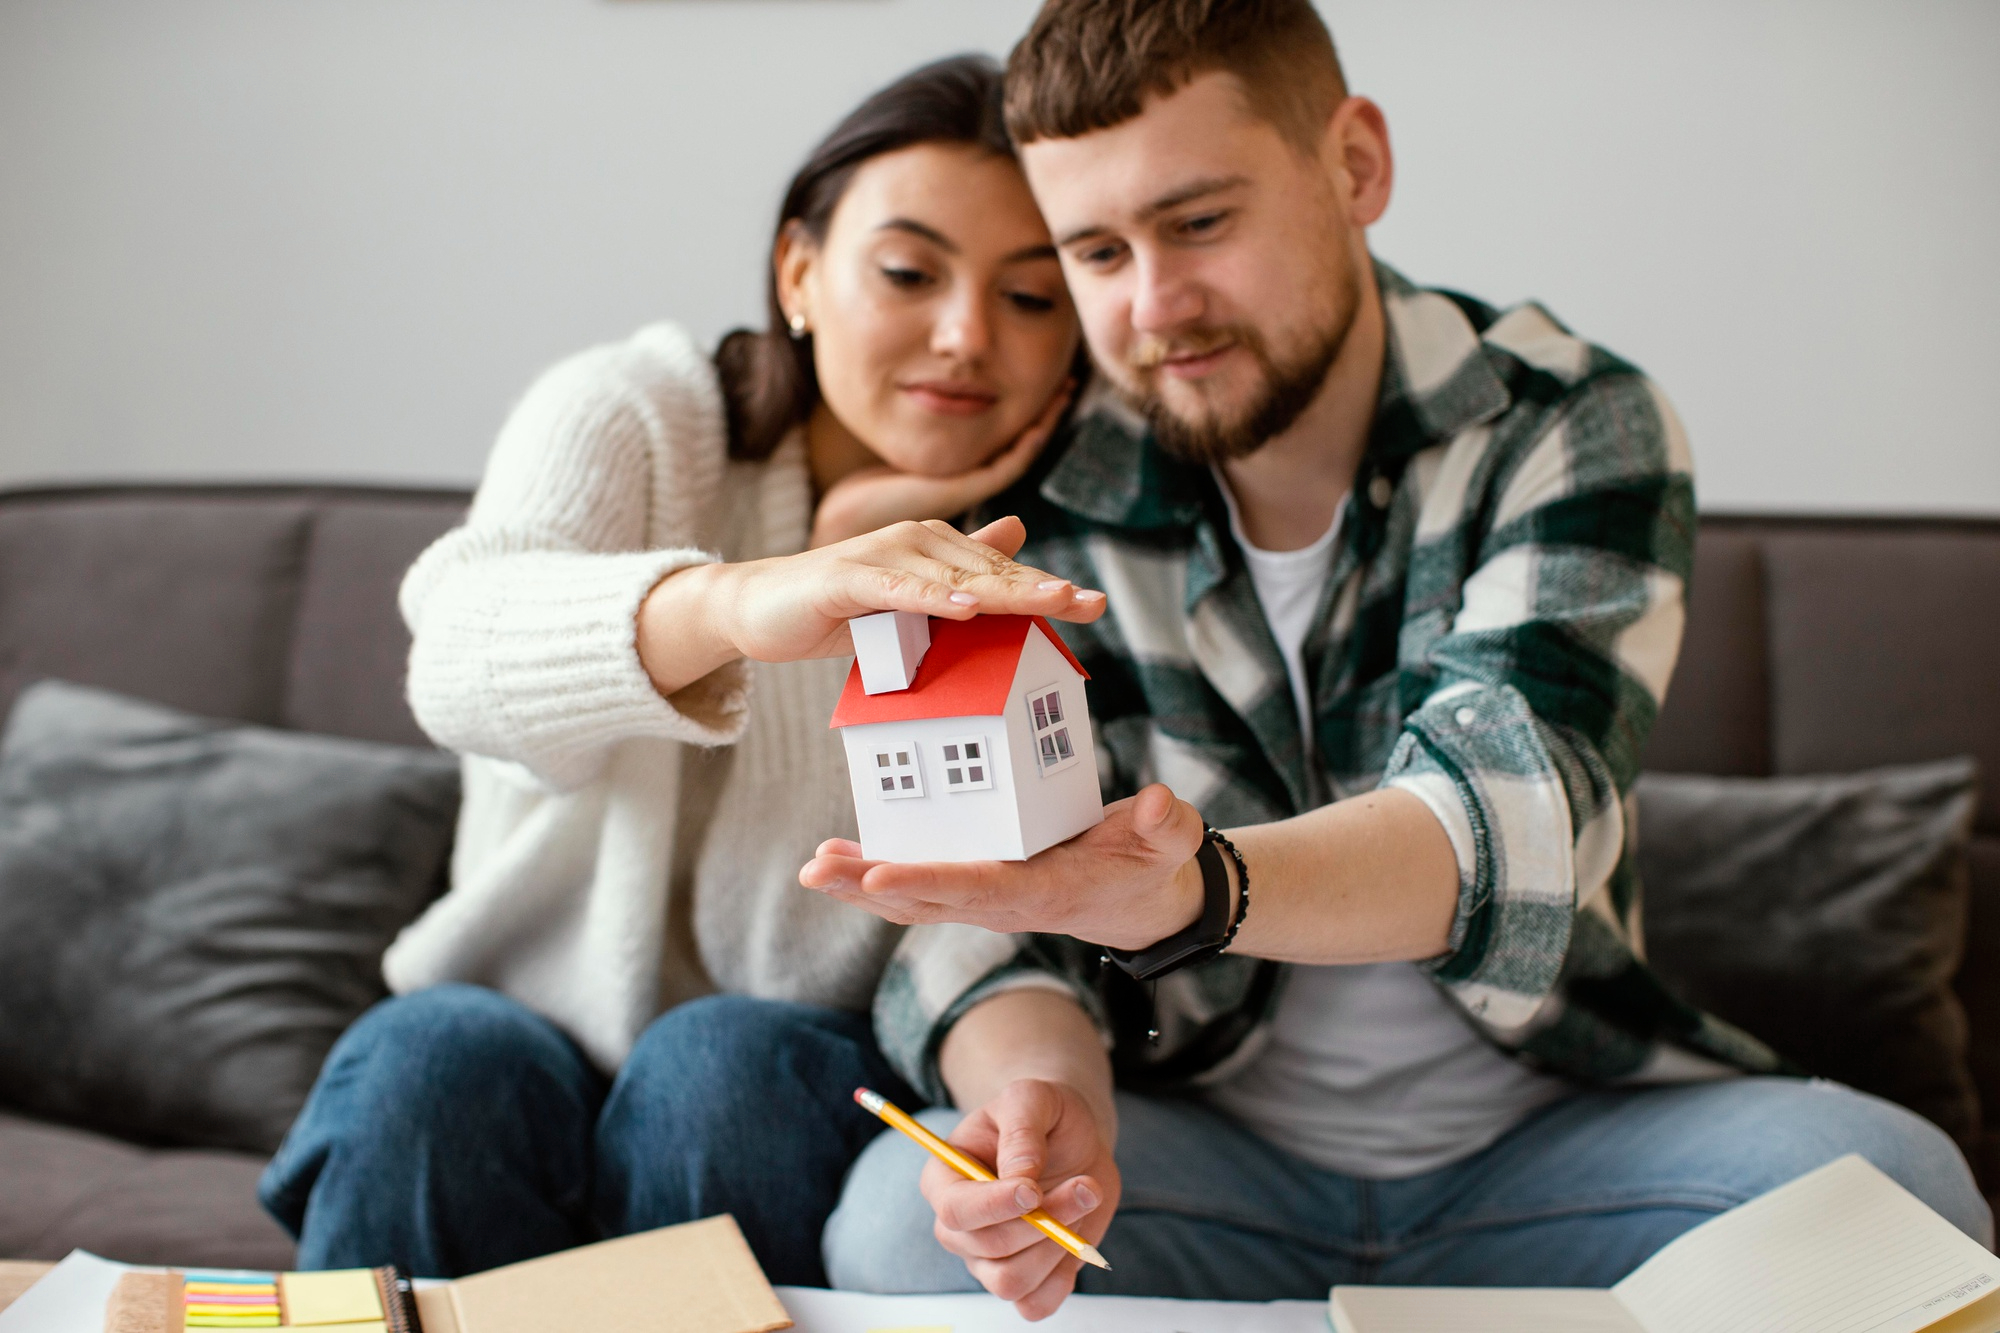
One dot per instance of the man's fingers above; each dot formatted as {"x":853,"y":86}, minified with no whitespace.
{"x":1023,"y":1115}
{"x":1018,"y":1277}
{"x":970,"y":1205}
{"x":1044,"y":1300}
{"x":1073,"y":1200}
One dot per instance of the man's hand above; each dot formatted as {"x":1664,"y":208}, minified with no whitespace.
{"x":1126,"y":883}
{"x":1049,"y":1152}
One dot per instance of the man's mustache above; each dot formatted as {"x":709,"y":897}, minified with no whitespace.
{"x":1150,"y":352}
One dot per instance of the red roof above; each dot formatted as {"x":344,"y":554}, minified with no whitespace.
{"x":966,"y":673}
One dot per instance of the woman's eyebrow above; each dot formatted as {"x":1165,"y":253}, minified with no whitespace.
{"x":916,"y":228}
{"x":946,"y":244}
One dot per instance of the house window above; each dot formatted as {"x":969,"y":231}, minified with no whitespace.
{"x":967,"y":764}
{"x":895,"y":773}
{"x":1053,"y":748}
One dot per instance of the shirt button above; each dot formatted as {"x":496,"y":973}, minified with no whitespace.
{"x":1465,"y":717}
{"x":1380,"y":492}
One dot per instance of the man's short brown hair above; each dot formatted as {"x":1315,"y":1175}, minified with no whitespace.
{"x":1090,"y":64}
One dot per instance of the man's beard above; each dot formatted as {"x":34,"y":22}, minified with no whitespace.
{"x":1287,"y":388}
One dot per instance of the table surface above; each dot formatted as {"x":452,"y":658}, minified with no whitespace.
{"x":16,"y":1276}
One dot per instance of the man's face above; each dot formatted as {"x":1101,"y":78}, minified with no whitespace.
{"x":1214,"y":264}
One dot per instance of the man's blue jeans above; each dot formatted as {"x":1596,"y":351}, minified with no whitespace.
{"x":453,"y":1130}
{"x":1576,"y":1196}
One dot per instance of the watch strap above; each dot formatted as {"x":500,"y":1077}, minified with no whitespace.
{"x":1197,"y":942}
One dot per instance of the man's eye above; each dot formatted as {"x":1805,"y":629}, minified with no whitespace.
{"x":1102,"y":255}
{"x":1203,"y":222}
{"x":1033,"y":304}
{"x":906,"y":277}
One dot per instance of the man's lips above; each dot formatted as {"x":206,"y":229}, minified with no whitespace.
{"x":1189,"y":364}
{"x":960,"y":400}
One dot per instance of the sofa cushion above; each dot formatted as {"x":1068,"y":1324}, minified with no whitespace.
{"x":192,"y":911}
{"x":62,"y":1189}
{"x":184,"y":599}
{"x":1827,"y":915}
{"x":349,"y":647}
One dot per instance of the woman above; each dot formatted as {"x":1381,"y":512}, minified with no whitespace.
{"x":657,"y":532}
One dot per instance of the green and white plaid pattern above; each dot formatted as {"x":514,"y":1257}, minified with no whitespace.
{"x":1505,"y":608}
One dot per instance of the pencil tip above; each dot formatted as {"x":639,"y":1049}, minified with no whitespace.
{"x":1091,"y":1256}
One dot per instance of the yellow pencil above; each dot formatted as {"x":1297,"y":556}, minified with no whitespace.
{"x":974,"y":1170}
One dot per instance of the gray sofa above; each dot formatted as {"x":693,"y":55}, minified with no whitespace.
{"x":1815,"y":645}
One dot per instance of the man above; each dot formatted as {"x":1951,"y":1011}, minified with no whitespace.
{"x":1396,"y":585}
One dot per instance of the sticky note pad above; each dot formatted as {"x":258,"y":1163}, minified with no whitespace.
{"x":343,"y":1296}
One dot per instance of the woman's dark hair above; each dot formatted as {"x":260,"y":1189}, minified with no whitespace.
{"x":768,"y":384}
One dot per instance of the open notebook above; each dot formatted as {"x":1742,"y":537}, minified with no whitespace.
{"x":1843,"y":1249}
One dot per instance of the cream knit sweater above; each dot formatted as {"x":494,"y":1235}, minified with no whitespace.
{"x":610,"y":863}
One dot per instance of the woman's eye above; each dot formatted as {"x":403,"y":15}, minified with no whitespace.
{"x":1203,"y":223}
{"x":1102,"y":256}
{"x":1033,"y":304}
{"x":905,"y":277}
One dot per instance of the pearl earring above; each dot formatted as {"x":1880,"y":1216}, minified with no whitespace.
{"x":797,"y":323}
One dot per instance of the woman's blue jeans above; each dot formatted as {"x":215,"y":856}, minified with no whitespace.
{"x":453,"y":1130}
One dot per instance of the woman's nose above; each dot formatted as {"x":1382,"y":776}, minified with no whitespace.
{"x":962,"y":330}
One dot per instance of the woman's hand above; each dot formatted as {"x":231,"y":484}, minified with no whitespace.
{"x":797,"y":606}
{"x":1049,"y":1152}
{"x":876,"y":497}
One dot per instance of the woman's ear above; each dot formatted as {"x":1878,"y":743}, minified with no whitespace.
{"x":792,"y":259}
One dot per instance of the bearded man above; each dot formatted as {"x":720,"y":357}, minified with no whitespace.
{"x":1396,"y":587}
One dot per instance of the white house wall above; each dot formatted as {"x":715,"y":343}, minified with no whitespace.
{"x":940,"y":825}
{"x":1064,"y":804}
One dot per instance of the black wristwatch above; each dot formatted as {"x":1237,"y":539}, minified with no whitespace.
{"x":1212,"y":932}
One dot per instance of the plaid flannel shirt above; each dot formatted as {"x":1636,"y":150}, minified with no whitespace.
{"x":1503,"y":614}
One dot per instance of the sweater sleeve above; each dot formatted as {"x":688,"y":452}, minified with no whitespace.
{"x":524,"y":619}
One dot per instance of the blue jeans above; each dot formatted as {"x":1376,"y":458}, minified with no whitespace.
{"x":453,"y":1130}
{"x":1577,"y":1195}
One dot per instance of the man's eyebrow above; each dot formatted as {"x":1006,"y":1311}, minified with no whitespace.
{"x":1185,"y":194}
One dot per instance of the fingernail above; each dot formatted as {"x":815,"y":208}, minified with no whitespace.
{"x":1050,"y":585}
{"x":1086,"y":1197}
{"x":965,"y":599}
{"x":1025,"y":1197}
{"x":1088,"y":594}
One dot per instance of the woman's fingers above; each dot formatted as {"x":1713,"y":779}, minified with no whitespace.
{"x":1005,"y":535}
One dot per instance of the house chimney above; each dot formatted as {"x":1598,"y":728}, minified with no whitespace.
{"x":888,"y":646}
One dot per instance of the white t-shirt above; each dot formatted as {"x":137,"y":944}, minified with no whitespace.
{"x":1370,"y":1070}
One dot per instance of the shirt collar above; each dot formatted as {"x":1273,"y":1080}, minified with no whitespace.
{"x":1436,"y":380}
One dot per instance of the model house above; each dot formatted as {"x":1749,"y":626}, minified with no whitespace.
{"x":967,"y":740}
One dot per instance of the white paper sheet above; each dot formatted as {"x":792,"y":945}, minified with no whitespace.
{"x":70,"y":1299}
{"x":856,"y":1312}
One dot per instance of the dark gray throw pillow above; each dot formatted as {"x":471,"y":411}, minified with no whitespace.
{"x":1826,"y":915}
{"x":191,"y":911}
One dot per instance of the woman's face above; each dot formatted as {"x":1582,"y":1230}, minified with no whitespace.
{"x":940,"y":323}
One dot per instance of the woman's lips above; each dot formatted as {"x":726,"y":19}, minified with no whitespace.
{"x":958,"y":400}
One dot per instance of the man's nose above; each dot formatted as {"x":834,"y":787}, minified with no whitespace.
{"x":1163,"y":298}
{"x":963,"y":329}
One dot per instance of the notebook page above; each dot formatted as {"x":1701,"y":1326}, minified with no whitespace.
{"x":1488,"y":1310}
{"x":1843,"y":1249}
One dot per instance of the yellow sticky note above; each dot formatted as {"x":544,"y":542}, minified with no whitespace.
{"x":343,"y":1296}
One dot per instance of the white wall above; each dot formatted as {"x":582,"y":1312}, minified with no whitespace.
{"x":278,"y":238}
